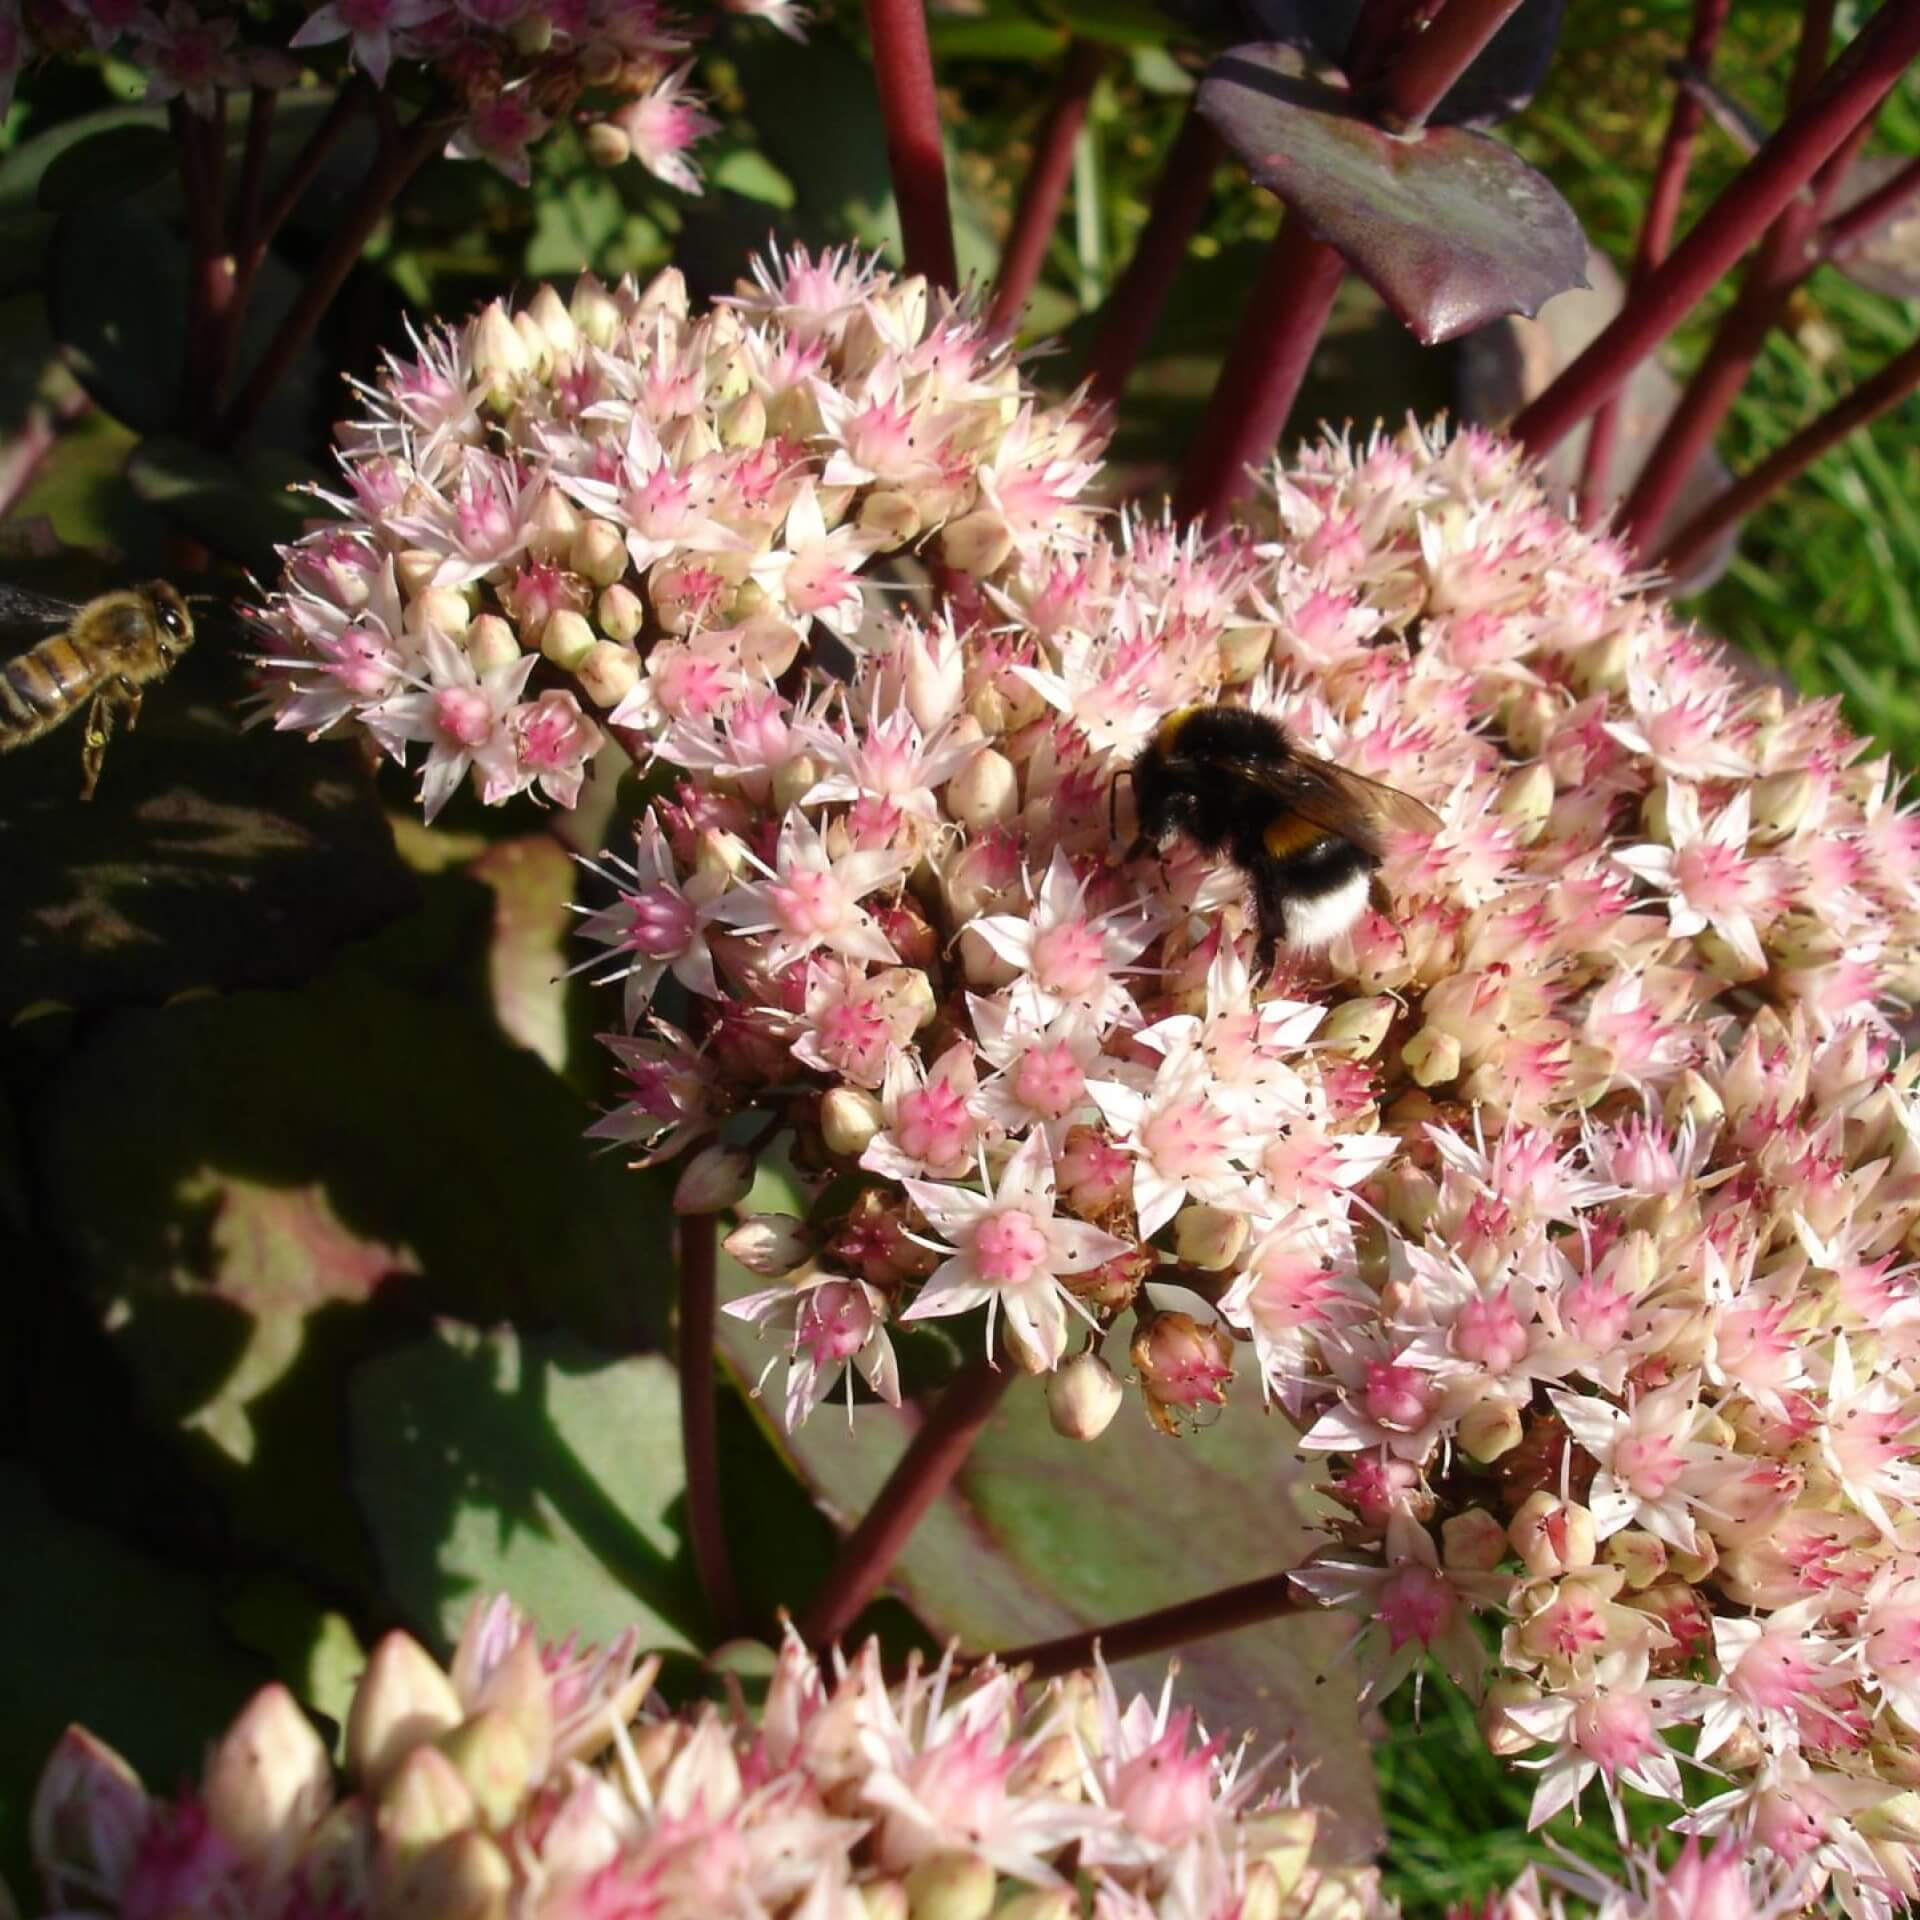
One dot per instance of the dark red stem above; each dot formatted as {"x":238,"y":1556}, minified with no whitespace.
{"x":1421,"y":70}
{"x":1165,"y":1628}
{"x":1280,"y":326}
{"x":1855,"y":85}
{"x":306,"y":164}
{"x":1380,"y":28}
{"x":921,"y":1474}
{"x":1868,"y":401}
{"x":903,"y":72}
{"x":383,"y":185}
{"x":1870,"y":212}
{"x":1133,"y":308}
{"x":1046,"y":182}
{"x":202,"y":148}
{"x":1656,"y":231}
{"x":699,"y":1302}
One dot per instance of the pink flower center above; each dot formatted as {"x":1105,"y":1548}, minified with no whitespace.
{"x":1416,"y":1604}
{"x":486,"y":523}
{"x":1009,"y":1248}
{"x":1614,"y":1732}
{"x":1647,"y":1464}
{"x":809,"y":902}
{"x":1185,"y":1139}
{"x":1594,"y":1314}
{"x":1070,"y":959}
{"x":1572,"y":1625}
{"x":835,"y":1322}
{"x":661,"y":926}
{"x":1489,"y":1333}
{"x":1048,"y":1080}
{"x":934,"y":1126}
{"x":1396,"y":1396}
{"x":465,"y":715}
{"x":1166,"y":1793}
{"x":852,"y":1035}
{"x":1712,"y":878}
{"x":1774,"y":1672}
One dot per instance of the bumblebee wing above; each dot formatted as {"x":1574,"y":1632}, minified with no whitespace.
{"x":1336,"y":799}
{"x":27,"y":617}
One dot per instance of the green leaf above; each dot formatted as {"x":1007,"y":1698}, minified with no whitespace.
{"x":112,"y":164}
{"x":1038,"y":1536}
{"x":572,"y":225}
{"x":124,"y":1645}
{"x":530,"y":1464}
{"x":314,"y":1650}
{"x":255,"y":1193}
{"x":1119,"y":23}
{"x":22,"y":170}
{"x":241,"y":508}
{"x":1006,"y":36}
{"x":532,"y":881}
{"x":754,"y":177}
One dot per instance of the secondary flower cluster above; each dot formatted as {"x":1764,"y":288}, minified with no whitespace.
{"x":515,"y":67}
{"x":531,"y":1781}
{"x":613,"y":505}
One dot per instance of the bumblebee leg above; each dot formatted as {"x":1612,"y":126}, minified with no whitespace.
{"x":1270,"y":916}
{"x":93,"y":749}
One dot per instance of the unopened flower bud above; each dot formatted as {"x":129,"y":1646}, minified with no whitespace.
{"x":1432,"y":1057}
{"x":553,"y":523}
{"x":466,"y":1877}
{"x":550,"y":315}
{"x":413,"y":570}
{"x":1473,"y":1542}
{"x":491,"y":643}
{"x":1553,"y":1536}
{"x":620,"y":612}
{"x":848,"y":1121}
{"x":403,"y":1702}
{"x":1041,"y":1903}
{"x":794,"y":779}
{"x":489,"y":1752}
{"x":951,"y":1886}
{"x":501,"y":362}
{"x":1780,"y":803}
{"x":1244,"y":652}
{"x":423,"y":1802}
{"x":977,"y":543}
{"x":665,"y":293}
{"x":985,"y":791}
{"x":1525,"y":802}
{"x":567,"y":638}
{"x":1525,"y":716}
{"x":1602,"y":667}
{"x":1504,"y":1739}
{"x":539,"y":350}
{"x":770,"y":1244}
{"x":269,"y":1777}
{"x":1083,"y":1396}
{"x":894,"y":517}
{"x":1490,"y":1428}
{"x":609,"y":672}
{"x":768,"y":646}
{"x":743,"y":426}
{"x":1356,"y":1028}
{"x":438,"y":608}
{"x":715,"y":1178}
{"x":881,"y":1900}
{"x":1211,"y":1238}
{"x":1182,"y":1365}
{"x":594,"y":311}
{"x":1640,"y":1555}
{"x":599,"y":552}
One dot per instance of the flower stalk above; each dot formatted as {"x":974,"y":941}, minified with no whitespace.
{"x":934,"y":1455}
{"x":699,"y":1302}
{"x":1656,"y":232}
{"x":1871,"y":211}
{"x":1224,"y":1611}
{"x":1046,"y":183}
{"x":1805,"y":141}
{"x":1866,"y":402}
{"x":916,"y":159}
{"x":1418,"y":76}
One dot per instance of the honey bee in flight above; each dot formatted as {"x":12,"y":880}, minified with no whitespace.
{"x":102,"y":655}
{"x":1304,"y":832}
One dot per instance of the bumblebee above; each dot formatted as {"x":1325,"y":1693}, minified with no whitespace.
{"x":102,"y":655}
{"x":1304,"y":832}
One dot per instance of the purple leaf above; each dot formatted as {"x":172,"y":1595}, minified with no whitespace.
{"x":1452,"y":229}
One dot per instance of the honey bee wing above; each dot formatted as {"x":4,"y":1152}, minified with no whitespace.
{"x":26,"y":617}
{"x":1341,"y":801}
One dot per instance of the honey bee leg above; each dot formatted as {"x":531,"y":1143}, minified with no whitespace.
{"x":129,"y":702}
{"x":93,"y":750}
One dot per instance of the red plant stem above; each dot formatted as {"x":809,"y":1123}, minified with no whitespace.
{"x":202,"y":149}
{"x":1165,"y":1628}
{"x":1380,"y":28}
{"x":921,"y":1474}
{"x":1870,"y":211}
{"x":1420,"y":70}
{"x":699,"y":1302}
{"x":1279,"y":328}
{"x":253,"y":168}
{"x":903,"y":72}
{"x":1855,"y":85}
{"x":1868,"y":401}
{"x":305,"y":166}
{"x":1656,"y":232}
{"x":1133,"y":308}
{"x":1046,"y":183}
{"x":382,"y":187}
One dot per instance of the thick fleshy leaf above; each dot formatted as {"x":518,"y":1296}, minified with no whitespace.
{"x":255,"y":1192}
{"x":531,"y":1464}
{"x":209,"y":857}
{"x":1503,"y":367}
{"x":128,"y":1647}
{"x":1451,"y":228}
{"x":1039,"y":1536}
{"x":114,"y":163}
{"x":532,"y":881}
{"x":239,"y":509}
{"x":1496,"y":86}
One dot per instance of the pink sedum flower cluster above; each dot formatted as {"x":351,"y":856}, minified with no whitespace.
{"x":612,"y":515}
{"x":539,"y":1782}
{"x":514,"y":68}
